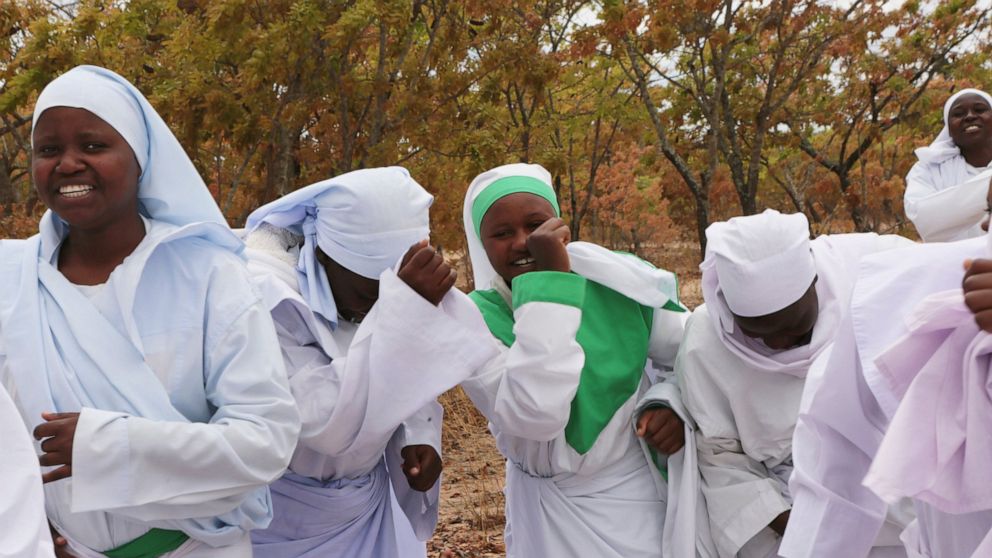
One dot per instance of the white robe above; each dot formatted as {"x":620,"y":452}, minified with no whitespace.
{"x":609,"y":502}
{"x":947,"y":200}
{"x":184,"y":307}
{"x":365,"y":392}
{"x":22,"y":506}
{"x":834,"y":515}
{"x":744,"y":419}
{"x":744,"y":400}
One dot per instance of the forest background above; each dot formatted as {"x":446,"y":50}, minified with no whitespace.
{"x":655,"y":117}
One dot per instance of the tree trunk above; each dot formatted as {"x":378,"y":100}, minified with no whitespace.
{"x":702,"y":221}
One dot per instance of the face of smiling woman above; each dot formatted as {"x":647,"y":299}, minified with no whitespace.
{"x":969,"y":121}
{"x":504,"y":231}
{"x":83,"y":169}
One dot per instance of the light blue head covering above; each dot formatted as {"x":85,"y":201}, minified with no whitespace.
{"x":364,"y":220}
{"x":169,"y":188}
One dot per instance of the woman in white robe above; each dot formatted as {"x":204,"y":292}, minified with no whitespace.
{"x":848,"y":416}
{"x":24,"y":532}
{"x":364,"y":371}
{"x":129,"y":330}
{"x":743,"y":390}
{"x":579,"y":480}
{"x":946,"y":189}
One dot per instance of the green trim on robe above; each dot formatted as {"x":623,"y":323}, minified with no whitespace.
{"x":614,"y":333}
{"x":549,"y":286}
{"x":660,"y":464}
{"x":152,"y":544}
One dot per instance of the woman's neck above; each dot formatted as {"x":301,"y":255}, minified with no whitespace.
{"x":978,"y":155}
{"x":89,"y":256}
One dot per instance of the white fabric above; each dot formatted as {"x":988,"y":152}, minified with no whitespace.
{"x":587,"y":500}
{"x":364,"y":220}
{"x":740,"y":441}
{"x":686,"y":530}
{"x":836,"y":258}
{"x":624,"y":273}
{"x":945,"y":196}
{"x":220,"y":418}
{"x":169,"y":188}
{"x":384,"y":372}
{"x":850,"y":411}
{"x":24,"y":531}
{"x":744,"y":443}
{"x":763,"y":262}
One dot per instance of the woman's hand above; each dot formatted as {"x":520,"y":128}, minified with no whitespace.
{"x":57,"y":432}
{"x":547,"y":246}
{"x":422,"y":466}
{"x":661,"y":429}
{"x":426,"y":272}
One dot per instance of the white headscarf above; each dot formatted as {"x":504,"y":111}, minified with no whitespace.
{"x":169,"y":188}
{"x":482,"y":270}
{"x":944,"y":148}
{"x":624,"y":273}
{"x":364,"y":220}
{"x":762,"y":263}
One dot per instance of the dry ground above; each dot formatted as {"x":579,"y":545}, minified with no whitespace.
{"x":471,"y":515}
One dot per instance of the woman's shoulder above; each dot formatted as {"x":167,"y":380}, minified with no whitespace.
{"x":198,"y":244}
{"x":206,"y":259}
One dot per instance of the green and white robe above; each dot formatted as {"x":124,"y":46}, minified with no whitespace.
{"x":561,"y":400}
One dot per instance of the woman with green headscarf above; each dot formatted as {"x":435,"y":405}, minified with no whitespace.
{"x":578,"y":327}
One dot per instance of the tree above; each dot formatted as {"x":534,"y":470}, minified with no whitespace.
{"x":881,"y":73}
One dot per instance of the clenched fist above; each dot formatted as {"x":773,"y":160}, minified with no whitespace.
{"x":422,"y":466}
{"x":977,"y":286}
{"x":425,"y":271}
{"x":547,"y":246}
{"x":661,"y":429}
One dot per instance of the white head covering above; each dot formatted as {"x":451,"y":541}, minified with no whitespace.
{"x":364,"y":220}
{"x":762,"y":263}
{"x":169,"y":188}
{"x":943,"y":147}
{"x":482,"y":270}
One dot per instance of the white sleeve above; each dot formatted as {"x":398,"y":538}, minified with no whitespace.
{"x":527,"y":391}
{"x":944,"y":214}
{"x":839,"y":430}
{"x":667,"y":328}
{"x":420,"y":508}
{"x":742,"y":495}
{"x":24,"y":532}
{"x":406,"y":353}
{"x":423,"y":428}
{"x":175,"y":470}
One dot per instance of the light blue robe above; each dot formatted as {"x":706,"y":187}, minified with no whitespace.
{"x":175,"y":367}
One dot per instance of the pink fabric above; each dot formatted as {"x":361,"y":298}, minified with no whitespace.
{"x":938,"y":447}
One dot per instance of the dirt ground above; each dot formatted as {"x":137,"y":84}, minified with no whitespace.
{"x":471,"y":512}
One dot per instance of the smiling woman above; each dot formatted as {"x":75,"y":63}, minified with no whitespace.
{"x":946,"y":190}
{"x":86,"y":172}
{"x":141,"y":358}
